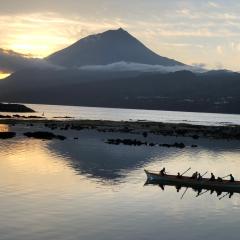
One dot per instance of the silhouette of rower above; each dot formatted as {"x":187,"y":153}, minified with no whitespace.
{"x":231,"y":178}
{"x":219,"y":179}
{"x":179,"y":175}
{"x":199,"y":178}
{"x":163,"y":172}
{"x":194,"y":176}
{"x":212,"y":178}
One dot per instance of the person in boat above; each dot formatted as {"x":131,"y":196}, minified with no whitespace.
{"x":212,"y":178}
{"x":163,"y":172}
{"x":199,"y":178}
{"x":219,"y":179}
{"x":231,"y":178}
{"x":194,"y":176}
{"x":179,"y":175}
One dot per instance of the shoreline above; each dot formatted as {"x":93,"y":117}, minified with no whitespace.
{"x":138,"y":127}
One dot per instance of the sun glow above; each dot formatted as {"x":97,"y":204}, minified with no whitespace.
{"x":4,"y":75}
{"x":37,"y":44}
{"x":31,"y":49}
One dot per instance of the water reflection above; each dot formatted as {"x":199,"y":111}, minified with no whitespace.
{"x":4,"y":128}
{"x":198,"y":192}
{"x":64,"y":190}
{"x":95,"y":159}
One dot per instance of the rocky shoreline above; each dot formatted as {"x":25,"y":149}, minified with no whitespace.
{"x":230,"y":132}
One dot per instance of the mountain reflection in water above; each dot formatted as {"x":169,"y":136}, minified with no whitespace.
{"x":91,"y":156}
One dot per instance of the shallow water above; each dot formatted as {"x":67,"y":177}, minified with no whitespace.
{"x":87,"y":189}
{"x":93,"y":113}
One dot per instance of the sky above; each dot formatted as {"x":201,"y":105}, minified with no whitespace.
{"x":203,"y":33}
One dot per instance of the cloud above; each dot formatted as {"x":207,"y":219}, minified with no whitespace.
{"x":213,"y":4}
{"x":129,"y":66}
{"x":11,"y":61}
{"x":200,"y":65}
{"x":53,"y":31}
{"x":220,"y":50}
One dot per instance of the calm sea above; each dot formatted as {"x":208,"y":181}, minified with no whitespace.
{"x":86,"y":189}
{"x":51,"y":111}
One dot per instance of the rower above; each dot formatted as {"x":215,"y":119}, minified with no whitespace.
{"x":231,"y":178}
{"x":195,"y":175}
{"x":219,"y":179}
{"x":199,"y":178}
{"x":179,"y":175}
{"x":163,"y":172}
{"x":212,"y":178}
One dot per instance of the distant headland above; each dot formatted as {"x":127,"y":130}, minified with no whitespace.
{"x":10,"y":107}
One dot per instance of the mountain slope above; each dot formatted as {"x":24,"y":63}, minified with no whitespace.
{"x":179,"y":91}
{"x":106,"y":48}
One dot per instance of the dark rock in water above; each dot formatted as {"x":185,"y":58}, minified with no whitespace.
{"x":34,"y":117}
{"x":177,"y":145}
{"x":194,"y":146}
{"x":195,"y":137}
{"x":5,"y":116}
{"x":6,"y":135}
{"x":145,"y":134}
{"x":129,"y":142}
{"x":134,"y":142}
{"x":14,"y":108}
{"x":44,"y":135}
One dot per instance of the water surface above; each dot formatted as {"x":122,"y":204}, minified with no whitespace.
{"x":87,"y":189}
{"x":114,"y":114}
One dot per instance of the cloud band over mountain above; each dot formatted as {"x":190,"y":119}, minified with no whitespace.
{"x":11,"y":61}
{"x":130,"y":66}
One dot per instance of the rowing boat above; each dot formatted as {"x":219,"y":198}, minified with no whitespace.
{"x":205,"y":183}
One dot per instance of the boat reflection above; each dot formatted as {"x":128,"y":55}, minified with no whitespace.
{"x":199,"y":191}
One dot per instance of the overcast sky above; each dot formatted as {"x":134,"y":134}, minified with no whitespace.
{"x":194,"y":32}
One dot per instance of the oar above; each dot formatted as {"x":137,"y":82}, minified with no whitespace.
{"x":204,"y":174}
{"x":185,"y":172}
{"x":226,"y":176}
{"x":201,"y":193}
{"x":184,"y":193}
{"x":223,"y":196}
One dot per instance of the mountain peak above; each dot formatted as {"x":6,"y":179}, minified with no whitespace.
{"x":120,"y":32}
{"x":106,"y":48}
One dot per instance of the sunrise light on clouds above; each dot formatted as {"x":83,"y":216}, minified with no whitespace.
{"x":192,"y":32}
